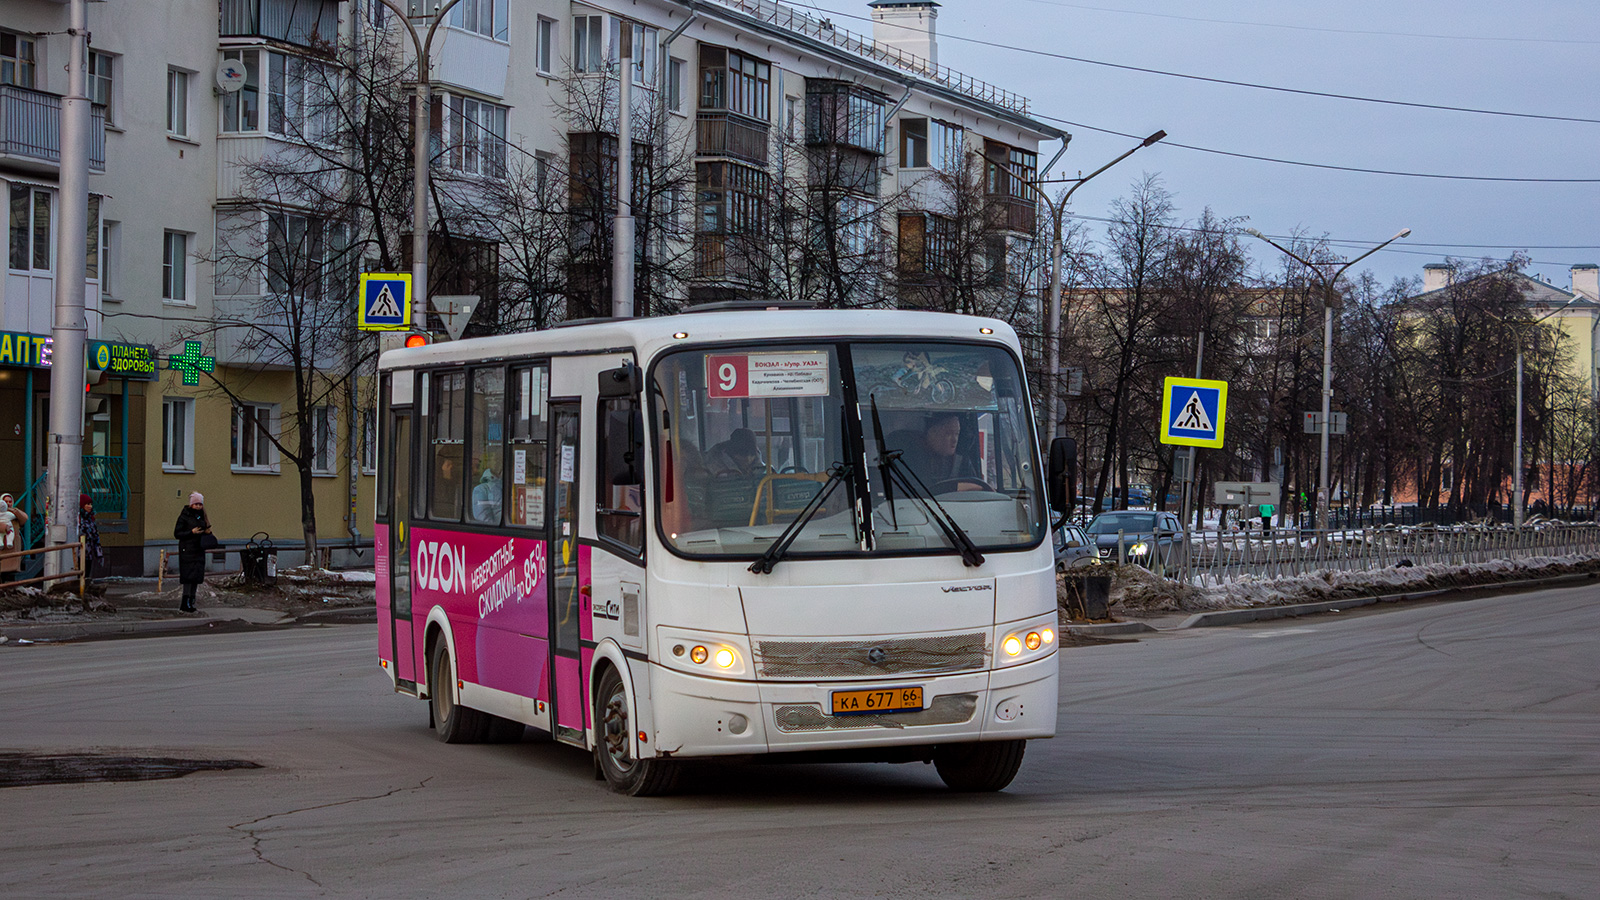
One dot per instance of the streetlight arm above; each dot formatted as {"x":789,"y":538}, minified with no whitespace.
{"x":1154,"y":138}
{"x":1404,"y":232}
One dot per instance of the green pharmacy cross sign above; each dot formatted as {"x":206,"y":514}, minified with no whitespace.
{"x":191,"y":362}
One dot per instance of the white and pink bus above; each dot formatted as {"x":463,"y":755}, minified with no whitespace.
{"x":725,"y":533}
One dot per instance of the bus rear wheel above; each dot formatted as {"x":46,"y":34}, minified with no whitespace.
{"x":977,"y":767}
{"x":453,"y":723}
{"x":613,"y":745}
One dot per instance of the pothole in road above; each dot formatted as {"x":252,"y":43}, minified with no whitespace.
{"x":27,"y":769}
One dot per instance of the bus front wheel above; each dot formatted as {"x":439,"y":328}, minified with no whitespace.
{"x":613,"y":750}
{"x":986,"y":766}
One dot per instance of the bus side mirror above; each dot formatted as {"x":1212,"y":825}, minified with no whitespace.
{"x":1061,"y":481}
{"x":625,"y":380}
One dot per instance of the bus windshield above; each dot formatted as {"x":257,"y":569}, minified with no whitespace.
{"x":747,"y":438}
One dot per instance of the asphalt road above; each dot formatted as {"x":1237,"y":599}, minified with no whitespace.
{"x":1441,"y":750}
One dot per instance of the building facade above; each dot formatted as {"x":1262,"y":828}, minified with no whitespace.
{"x":236,"y":192}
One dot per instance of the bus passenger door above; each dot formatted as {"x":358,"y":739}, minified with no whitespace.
{"x":567,"y":590}
{"x":400,"y":552}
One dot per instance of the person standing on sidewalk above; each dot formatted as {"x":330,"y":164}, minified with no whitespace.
{"x":192,"y":531}
{"x":89,"y":530}
{"x":11,"y":533}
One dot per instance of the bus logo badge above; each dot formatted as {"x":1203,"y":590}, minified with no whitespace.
{"x":877,"y":655}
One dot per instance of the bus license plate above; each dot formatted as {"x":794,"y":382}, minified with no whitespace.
{"x":885,"y":700}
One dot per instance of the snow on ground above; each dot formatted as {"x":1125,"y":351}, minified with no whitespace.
{"x":1136,"y":590}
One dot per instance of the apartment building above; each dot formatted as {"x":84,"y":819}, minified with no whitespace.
{"x":208,"y":240}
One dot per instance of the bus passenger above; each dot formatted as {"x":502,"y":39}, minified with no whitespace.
{"x":738,"y":455}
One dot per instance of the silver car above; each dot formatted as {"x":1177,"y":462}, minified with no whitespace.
{"x":1073,"y":548}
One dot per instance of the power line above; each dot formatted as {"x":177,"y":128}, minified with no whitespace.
{"x":1313,"y":28}
{"x":1329,"y":166}
{"x":1250,"y":84}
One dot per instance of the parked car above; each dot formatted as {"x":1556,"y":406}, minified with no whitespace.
{"x":1074,"y":548}
{"x":1147,"y":537}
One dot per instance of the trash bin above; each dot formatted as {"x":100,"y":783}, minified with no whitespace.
{"x":259,"y":560}
{"x":1094,"y":592}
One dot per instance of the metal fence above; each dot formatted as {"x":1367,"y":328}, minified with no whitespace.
{"x":1210,"y":559}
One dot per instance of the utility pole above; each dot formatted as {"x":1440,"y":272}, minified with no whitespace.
{"x":65,"y":453}
{"x":420,"y":302}
{"x":622,"y":229}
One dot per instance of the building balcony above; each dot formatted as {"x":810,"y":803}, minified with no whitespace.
{"x":724,"y":257}
{"x":731,"y":135}
{"x":1010,"y":213}
{"x":30,"y":131}
{"x":304,"y":23}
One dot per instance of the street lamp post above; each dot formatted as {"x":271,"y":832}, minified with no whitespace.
{"x":419,"y":158}
{"x":1330,"y":300}
{"x":1052,"y":333}
{"x":1516,"y":452}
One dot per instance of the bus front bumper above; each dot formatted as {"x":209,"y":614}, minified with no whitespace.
{"x":697,"y":716}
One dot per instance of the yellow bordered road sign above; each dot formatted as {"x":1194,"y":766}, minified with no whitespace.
{"x":384,"y":301}
{"x":1193,"y":411}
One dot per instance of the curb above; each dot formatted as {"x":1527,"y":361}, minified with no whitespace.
{"x":1265,"y":613}
{"x":1101,"y":629}
{"x":71,"y":631}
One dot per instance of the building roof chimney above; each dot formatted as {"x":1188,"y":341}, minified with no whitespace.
{"x":907,"y":25}
{"x":1586,"y":280}
{"x":1437,"y":276}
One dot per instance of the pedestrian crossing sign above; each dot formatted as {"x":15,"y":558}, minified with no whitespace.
{"x":1192,"y":412}
{"x":385,"y":302}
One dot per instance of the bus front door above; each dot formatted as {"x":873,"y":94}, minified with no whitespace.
{"x":566,"y":588}
{"x":406,"y":668}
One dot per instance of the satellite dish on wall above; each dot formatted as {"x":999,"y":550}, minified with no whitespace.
{"x":231,"y":75}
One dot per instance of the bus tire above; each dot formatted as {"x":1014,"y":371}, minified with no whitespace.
{"x":613,"y":730}
{"x":976,"y":767}
{"x":453,"y":723}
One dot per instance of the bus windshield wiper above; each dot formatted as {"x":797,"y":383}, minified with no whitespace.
{"x":774,"y":553}
{"x":893,"y":469}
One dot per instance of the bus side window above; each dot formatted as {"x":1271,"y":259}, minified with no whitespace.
{"x":619,"y":487}
{"x":485,"y":477}
{"x":447,"y":440}
{"x":525,"y":461}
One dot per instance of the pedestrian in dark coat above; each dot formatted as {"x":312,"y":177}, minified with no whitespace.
{"x":190,"y":531}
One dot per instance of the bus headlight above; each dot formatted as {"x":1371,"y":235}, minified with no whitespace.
{"x":1027,"y":641}
{"x":702,"y":653}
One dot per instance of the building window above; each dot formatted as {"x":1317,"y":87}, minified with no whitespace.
{"x":1008,"y":171}
{"x":731,"y":198}
{"x":177,"y":434}
{"x":477,"y":137}
{"x":544,"y":52}
{"x":301,"y":98}
{"x":926,"y":245}
{"x":793,"y":118}
{"x":110,"y":258}
{"x":253,"y":427}
{"x":31,"y":244}
{"x":324,"y":440}
{"x":369,"y":442}
{"x":177,"y":103}
{"x":645,"y":42}
{"x":588,"y":44}
{"x":840,"y":113}
{"x":102,"y":67}
{"x":377,"y":14}
{"x":675,"y":85}
{"x":929,"y":143}
{"x":241,"y":109}
{"x":175,"y":267}
{"x":305,"y":256}
{"x":732,"y":81}
{"x":16,"y":59}
{"x":485,"y":17}
{"x":91,"y":246}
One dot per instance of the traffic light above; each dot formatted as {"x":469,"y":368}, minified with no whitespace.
{"x":396,"y":340}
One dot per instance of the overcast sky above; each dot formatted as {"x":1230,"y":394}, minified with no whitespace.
{"x":1541,"y":58}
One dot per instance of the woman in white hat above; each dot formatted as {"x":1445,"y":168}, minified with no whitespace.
{"x":190,"y":531}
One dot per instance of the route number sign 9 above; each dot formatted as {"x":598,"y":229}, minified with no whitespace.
{"x":747,"y":375}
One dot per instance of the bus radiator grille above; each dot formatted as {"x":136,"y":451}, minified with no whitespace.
{"x":856,"y":659}
{"x":947,"y":709}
